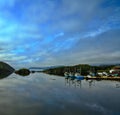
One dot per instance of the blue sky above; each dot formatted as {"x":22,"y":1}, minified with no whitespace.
{"x":59,"y":32}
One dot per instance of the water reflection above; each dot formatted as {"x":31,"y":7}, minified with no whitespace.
{"x":91,"y":83}
{"x":75,"y":83}
{"x":78,"y":83}
{"x":4,"y":74}
{"x":118,"y":85}
{"x":41,"y":94}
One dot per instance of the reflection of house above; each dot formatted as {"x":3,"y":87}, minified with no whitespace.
{"x":115,"y":70}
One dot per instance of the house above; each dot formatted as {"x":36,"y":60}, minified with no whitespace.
{"x":115,"y":71}
{"x":102,"y":74}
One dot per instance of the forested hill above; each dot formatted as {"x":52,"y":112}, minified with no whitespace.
{"x":84,"y":69}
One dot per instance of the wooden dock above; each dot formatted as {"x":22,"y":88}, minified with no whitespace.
{"x":103,"y":78}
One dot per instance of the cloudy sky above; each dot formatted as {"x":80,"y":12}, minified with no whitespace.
{"x":59,"y":32}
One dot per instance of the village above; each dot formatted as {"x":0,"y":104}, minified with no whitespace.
{"x":112,"y":74}
{"x":85,"y":71}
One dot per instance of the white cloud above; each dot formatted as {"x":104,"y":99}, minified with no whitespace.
{"x":59,"y":32}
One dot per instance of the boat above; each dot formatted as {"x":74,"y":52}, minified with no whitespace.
{"x":66,"y":74}
{"x":78,"y":76}
{"x":71,"y":75}
{"x":89,"y":76}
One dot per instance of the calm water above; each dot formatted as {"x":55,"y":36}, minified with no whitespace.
{"x":41,"y":94}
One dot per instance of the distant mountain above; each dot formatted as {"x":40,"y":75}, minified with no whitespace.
{"x":5,"y":69}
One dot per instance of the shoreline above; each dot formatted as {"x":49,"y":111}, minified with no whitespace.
{"x":103,"y":78}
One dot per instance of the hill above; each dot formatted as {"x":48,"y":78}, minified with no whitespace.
{"x":5,"y":70}
{"x":84,"y":69}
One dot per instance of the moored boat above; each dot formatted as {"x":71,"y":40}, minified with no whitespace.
{"x":78,"y":76}
{"x":66,"y":74}
{"x":72,"y":76}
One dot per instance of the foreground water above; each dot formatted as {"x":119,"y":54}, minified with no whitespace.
{"x":41,"y":94}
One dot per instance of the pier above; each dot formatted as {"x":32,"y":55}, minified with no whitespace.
{"x":103,"y":78}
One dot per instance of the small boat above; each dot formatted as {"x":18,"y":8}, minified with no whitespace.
{"x":66,"y":74}
{"x":71,"y":75}
{"x":78,"y":76}
{"x":89,"y":76}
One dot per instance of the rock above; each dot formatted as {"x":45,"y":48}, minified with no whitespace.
{"x":23,"y":72}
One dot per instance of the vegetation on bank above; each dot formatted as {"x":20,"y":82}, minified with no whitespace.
{"x":23,"y":72}
{"x":84,"y":69}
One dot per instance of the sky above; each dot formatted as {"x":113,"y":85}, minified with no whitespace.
{"x":59,"y":32}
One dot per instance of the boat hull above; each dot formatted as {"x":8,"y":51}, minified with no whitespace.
{"x":79,"y":77}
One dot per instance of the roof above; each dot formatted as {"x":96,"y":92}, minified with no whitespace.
{"x":116,"y":68}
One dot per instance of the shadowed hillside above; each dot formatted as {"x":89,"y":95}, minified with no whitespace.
{"x":5,"y":70}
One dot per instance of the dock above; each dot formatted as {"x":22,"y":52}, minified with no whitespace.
{"x":103,"y":78}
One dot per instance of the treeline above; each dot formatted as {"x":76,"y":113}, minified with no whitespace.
{"x":105,"y":68}
{"x":84,"y":69}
